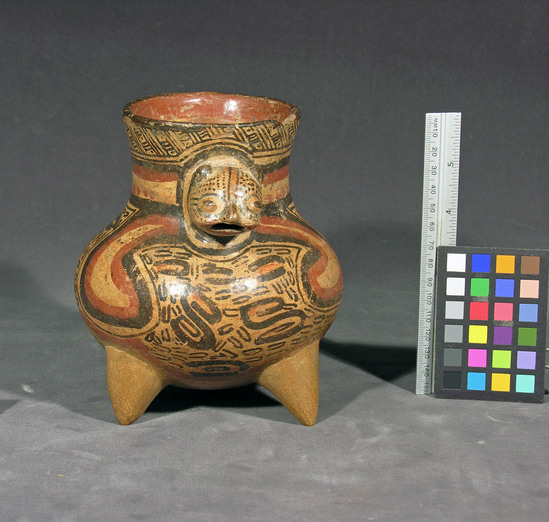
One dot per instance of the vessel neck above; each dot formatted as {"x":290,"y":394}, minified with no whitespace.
{"x":171,"y":136}
{"x":154,"y":183}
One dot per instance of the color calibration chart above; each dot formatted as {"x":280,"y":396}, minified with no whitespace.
{"x":491,"y":324}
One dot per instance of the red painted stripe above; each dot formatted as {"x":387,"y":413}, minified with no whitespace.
{"x":119,"y":276}
{"x":271,"y":267}
{"x":276,"y":175}
{"x":153,"y":175}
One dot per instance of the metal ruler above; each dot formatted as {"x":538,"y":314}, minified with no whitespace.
{"x":439,"y":225}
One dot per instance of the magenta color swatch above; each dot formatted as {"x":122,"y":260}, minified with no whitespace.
{"x":477,"y":358}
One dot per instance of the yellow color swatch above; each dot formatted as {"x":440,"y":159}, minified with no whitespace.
{"x":501,"y":382}
{"x":478,"y":334}
{"x":505,"y":264}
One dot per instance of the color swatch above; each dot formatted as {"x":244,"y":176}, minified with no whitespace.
{"x":491,"y":324}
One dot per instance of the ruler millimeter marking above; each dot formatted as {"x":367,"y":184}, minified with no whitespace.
{"x":439,"y":225}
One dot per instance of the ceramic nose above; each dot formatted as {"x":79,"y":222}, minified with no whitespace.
{"x":230,"y":224}
{"x":233,"y":215}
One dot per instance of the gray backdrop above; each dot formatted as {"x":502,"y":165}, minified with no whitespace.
{"x":364,"y":75}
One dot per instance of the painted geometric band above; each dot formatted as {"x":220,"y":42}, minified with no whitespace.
{"x":266,"y":142}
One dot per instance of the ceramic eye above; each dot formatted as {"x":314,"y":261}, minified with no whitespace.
{"x":254,"y":204}
{"x":209,"y":205}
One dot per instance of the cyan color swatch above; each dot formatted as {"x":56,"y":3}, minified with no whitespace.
{"x":476,"y":381}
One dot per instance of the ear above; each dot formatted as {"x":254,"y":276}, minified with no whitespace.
{"x":202,"y":173}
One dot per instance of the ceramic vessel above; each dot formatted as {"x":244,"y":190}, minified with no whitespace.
{"x":209,"y":278}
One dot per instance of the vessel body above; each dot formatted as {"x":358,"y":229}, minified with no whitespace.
{"x":209,"y":278}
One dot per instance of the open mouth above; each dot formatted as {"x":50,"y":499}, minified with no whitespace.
{"x":226,"y":229}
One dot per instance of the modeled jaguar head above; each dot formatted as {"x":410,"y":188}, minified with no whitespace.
{"x":224,"y":198}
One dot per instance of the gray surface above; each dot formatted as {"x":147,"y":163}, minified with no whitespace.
{"x":364,"y":74}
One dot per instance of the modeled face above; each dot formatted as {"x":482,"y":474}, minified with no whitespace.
{"x":224,"y":200}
